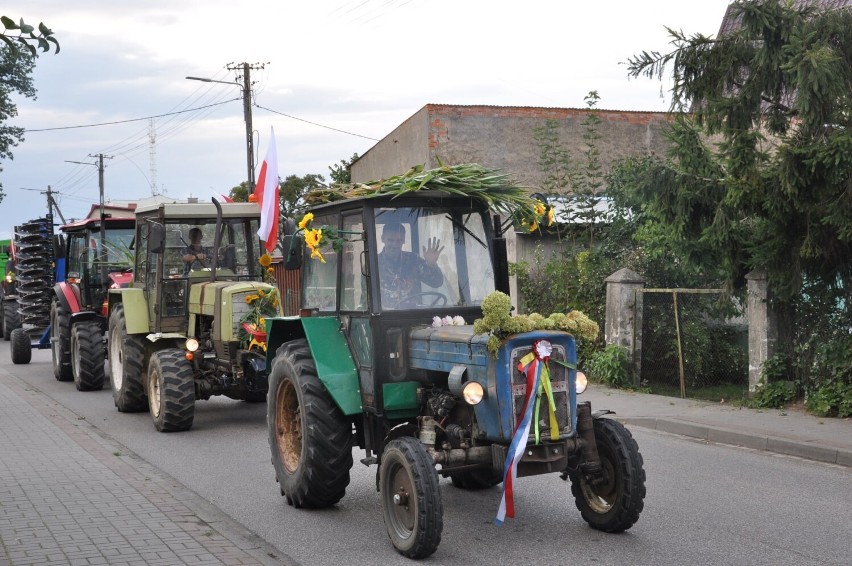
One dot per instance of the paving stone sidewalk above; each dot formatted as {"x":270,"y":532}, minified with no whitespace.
{"x":71,"y":496}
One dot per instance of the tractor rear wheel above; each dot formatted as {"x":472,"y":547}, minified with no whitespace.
{"x":411,"y":499}
{"x":310,"y":438}
{"x":60,"y":341}
{"x":171,"y":391}
{"x":21,"y":346}
{"x":126,"y":365}
{"x":614,"y":504}
{"x":11,"y":318}
{"x":87,"y":355}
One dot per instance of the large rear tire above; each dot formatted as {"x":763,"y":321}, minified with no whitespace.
{"x":11,"y":318}
{"x":411,"y":499}
{"x":60,"y":341}
{"x":614,"y":505}
{"x":310,"y":438}
{"x":171,"y":391}
{"x":87,"y":355}
{"x":21,"y":347}
{"x":127,"y":364}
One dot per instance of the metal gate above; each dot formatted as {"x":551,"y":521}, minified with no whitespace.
{"x":694,"y":342}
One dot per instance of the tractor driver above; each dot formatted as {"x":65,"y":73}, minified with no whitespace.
{"x":400,"y":272}
{"x":195,"y":255}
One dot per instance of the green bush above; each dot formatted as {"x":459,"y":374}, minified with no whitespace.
{"x":774,"y":395}
{"x":610,"y":366}
{"x":831,"y":400}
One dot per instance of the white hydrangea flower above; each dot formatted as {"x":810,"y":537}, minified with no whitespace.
{"x":436,"y":322}
{"x":458,"y":321}
{"x":447,"y":321}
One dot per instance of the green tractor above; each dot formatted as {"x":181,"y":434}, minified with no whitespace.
{"x":384,"y":356}
{"x":191,"y":323}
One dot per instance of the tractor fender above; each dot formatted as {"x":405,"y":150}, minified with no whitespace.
{"x":135,"y":308}
{"x":68,"y":296}
{"x":330,"y":351}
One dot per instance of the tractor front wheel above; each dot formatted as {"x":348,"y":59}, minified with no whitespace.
{"x":310,"y":438}
{"x":613,"y":505}
{"x":126,"y":365}
{"x":171,"y":391}
{"x":11,"y":318}
{"x":411,"y":500}
{"x":60,"y":338}
{"x":87,"y":355}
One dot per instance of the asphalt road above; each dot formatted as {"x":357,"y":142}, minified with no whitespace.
{"x":706,"y":504}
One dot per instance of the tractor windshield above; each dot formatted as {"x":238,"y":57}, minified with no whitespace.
{"x":189,"y":248}
{"x":432,"y":257}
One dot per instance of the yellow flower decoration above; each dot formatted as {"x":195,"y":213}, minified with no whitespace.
{"x":313,"y":238}
{"x":534,"y":226}
{"x":539,"y":209}
{"x":550,"y":216}
{"x":251,"y":298}
{"x":306,"y":219}
{"x":270,"y":270}
{"x":265,"y":260}
{"x":316,"y":254}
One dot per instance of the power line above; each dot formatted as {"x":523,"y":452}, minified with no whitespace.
{"x":314,"y":123}
{"x":130,"y":120}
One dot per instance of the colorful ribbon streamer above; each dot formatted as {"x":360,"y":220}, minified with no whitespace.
{"x":534,"y":366}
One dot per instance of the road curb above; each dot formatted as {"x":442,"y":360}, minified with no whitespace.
{"x":766,"y":443}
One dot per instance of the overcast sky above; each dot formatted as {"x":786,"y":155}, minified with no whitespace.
{"x":338,"y":76}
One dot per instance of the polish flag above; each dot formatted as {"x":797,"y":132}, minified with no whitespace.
{"x":226,"y":198}
{"x":266,"y":191}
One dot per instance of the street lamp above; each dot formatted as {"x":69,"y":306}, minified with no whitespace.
{"x":245,"y":88}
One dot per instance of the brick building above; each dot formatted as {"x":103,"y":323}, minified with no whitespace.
{"x":503,"y":137}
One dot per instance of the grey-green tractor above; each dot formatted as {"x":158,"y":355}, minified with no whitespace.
{"x":191,"y":323}
{"x":384,"y":356}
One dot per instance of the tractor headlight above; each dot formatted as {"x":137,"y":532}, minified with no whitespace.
{"x":191,"y":344}
{"x":581,"y":382}
{"x":473,"y":392}
{"x":10,"y":277}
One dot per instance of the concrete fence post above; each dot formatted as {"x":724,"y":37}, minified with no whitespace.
{"x":762,"y":327}
{"x":624,"y":316}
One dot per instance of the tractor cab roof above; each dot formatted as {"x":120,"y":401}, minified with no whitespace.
{"x":200,"y":210}
{"x":88,"y":223}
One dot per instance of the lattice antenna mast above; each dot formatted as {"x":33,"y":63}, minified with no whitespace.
{"x":152,"y":155}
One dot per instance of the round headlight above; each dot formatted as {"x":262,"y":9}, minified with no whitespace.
{"x":10,"y":277}
{"x":472,"y":392}
{"x":191,"y":344}
{"x":581,"y":382}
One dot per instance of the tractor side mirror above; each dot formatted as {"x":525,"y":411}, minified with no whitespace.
{"x":292,"y":248}
{"x":156,"y":238}
{"x":59,"y":246}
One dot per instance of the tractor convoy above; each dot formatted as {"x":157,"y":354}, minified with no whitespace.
{"x":384,"y":356}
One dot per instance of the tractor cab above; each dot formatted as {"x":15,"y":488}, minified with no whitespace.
{"x":386,"y":265}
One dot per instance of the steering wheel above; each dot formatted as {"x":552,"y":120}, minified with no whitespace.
{"x":409,"y":300}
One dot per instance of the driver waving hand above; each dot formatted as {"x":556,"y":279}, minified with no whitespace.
{"x":400,"y":272}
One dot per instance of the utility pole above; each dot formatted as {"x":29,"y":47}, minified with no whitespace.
{"x":51,"y":204}
{"x":247,"y":69}
{"x":100,"y":166}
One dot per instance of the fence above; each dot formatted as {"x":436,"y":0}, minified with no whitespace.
{"x":289,"y":285}
{"x":692,"y":340}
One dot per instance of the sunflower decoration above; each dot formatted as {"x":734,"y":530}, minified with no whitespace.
{"x":263,"y":303}
{"x":267,"y":270}
{"x":317,"y":238}
{"x":532,"y":218}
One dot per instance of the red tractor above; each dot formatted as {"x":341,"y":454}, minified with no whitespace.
{"x":98,"y":257}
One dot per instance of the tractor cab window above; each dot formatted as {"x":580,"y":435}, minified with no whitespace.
{"x":189,"y":249}
{"x":354,"y":291}
{"x":320,"y":277}
{"x":432,"y":257}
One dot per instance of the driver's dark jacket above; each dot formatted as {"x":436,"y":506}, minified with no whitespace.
{"x":195,"y":263}
{"x":399,"y":278}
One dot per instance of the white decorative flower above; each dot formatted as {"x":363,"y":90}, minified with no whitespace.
{"x":458,"y":321}
{"x":447,"y":321}
{"x":436,"y":321}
